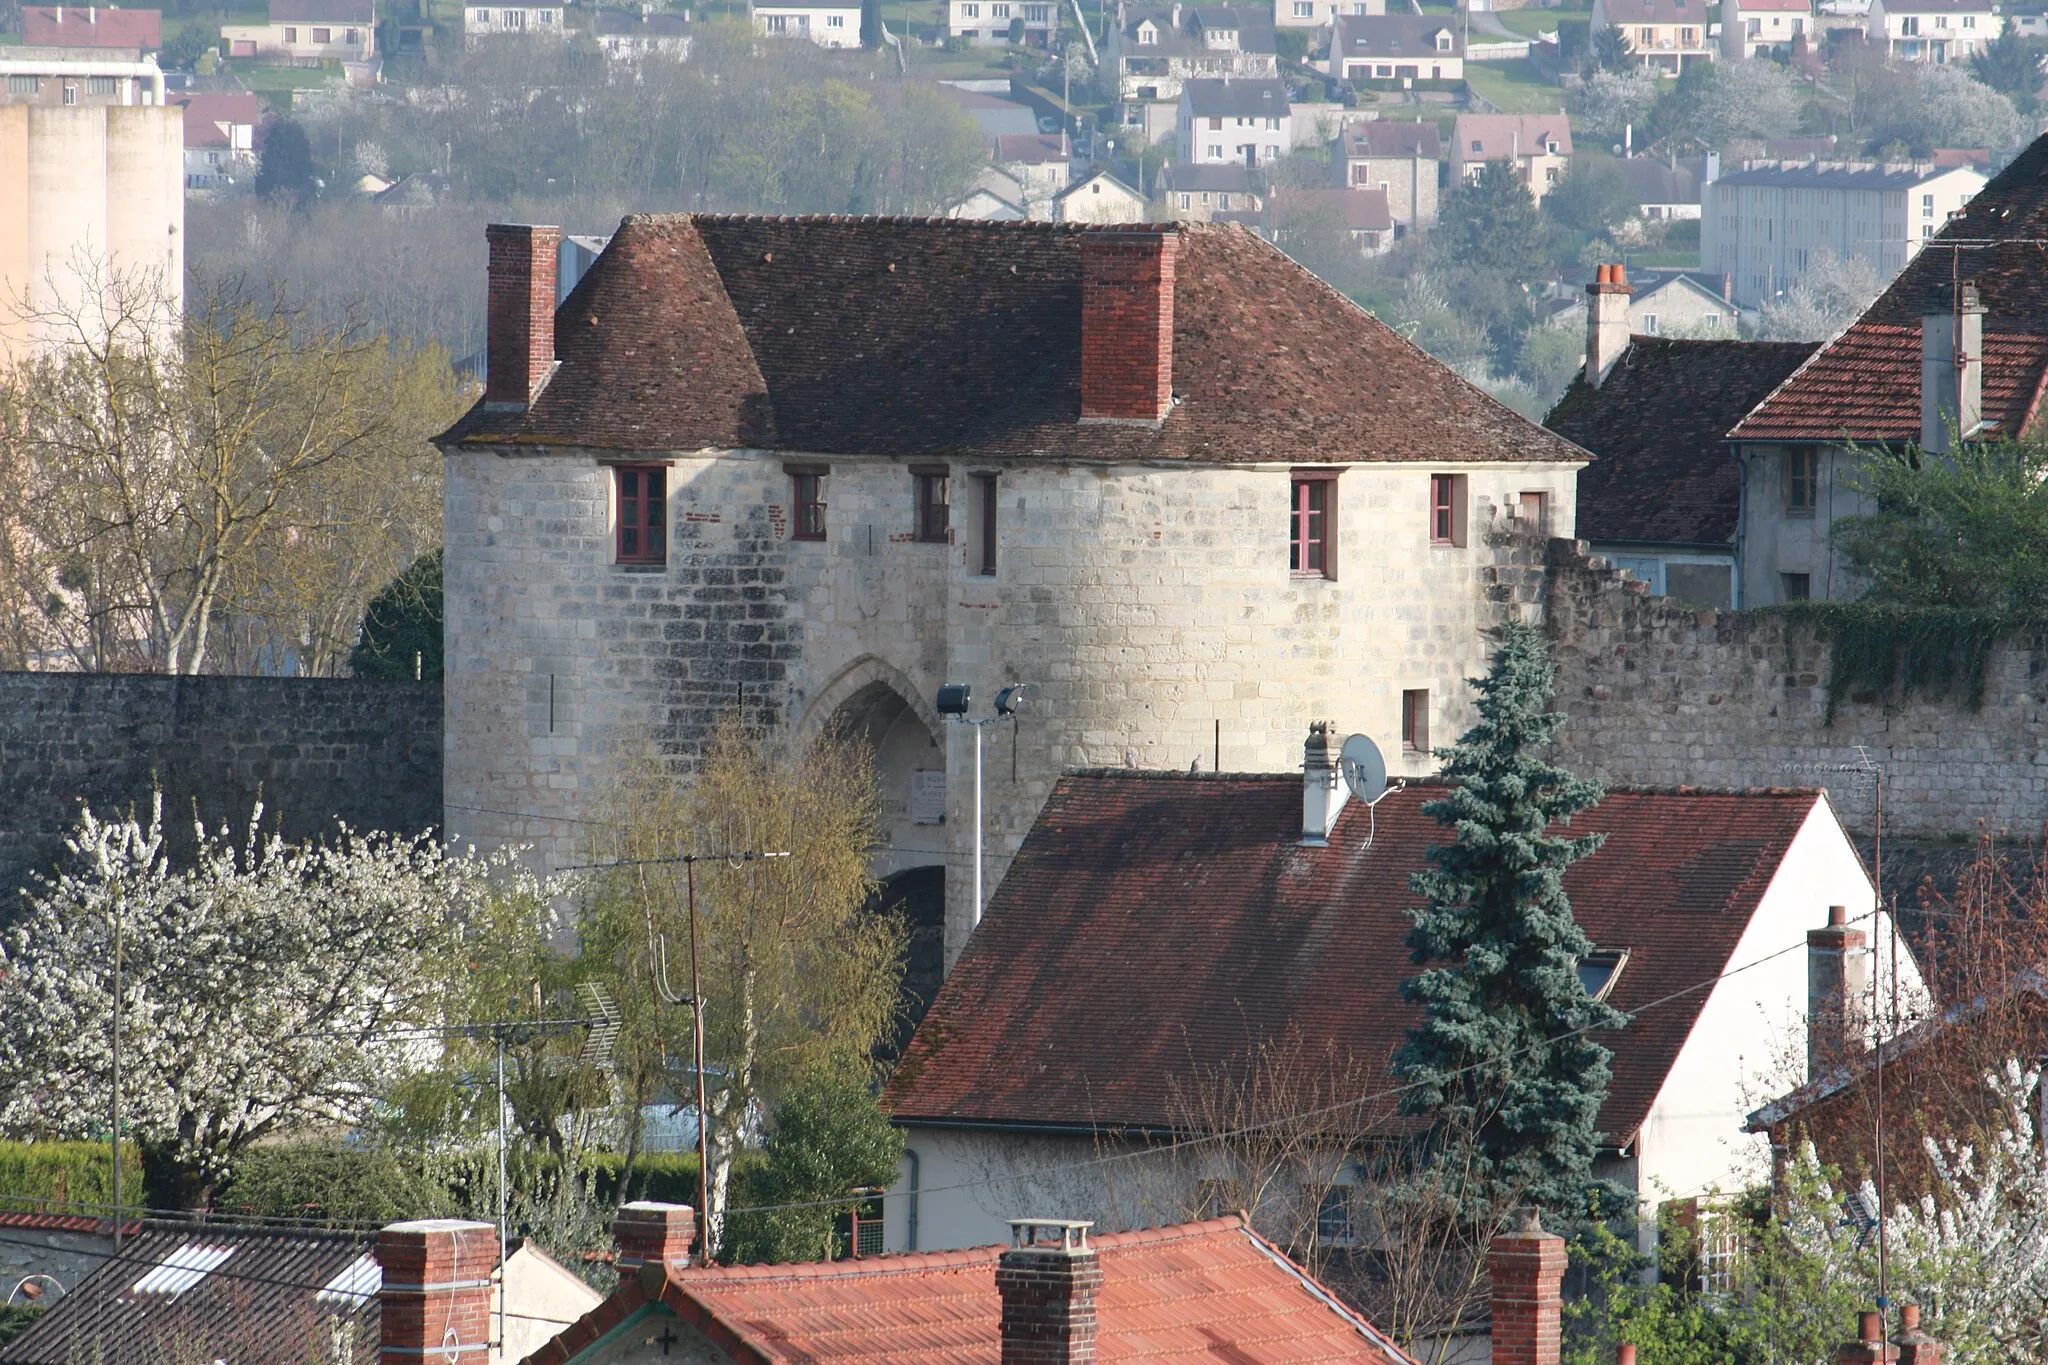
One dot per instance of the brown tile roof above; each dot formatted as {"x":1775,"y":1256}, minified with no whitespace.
{"x":1186,"y":903}
{"x":929,"y":336}
{"x":1358,"y":210}
{"x":1196,"y":1292}
{"x":1384,"y":137}
{"x":87,"y":26}
{"x":1391,"y":36}
{"x":20,"y":1221}
{"x":1031,"y":148}
{"x":206,"y":114}
{"x":261,"y":1304}
{"x":1662,"y":472}
{"x":1508,"y":135}
{"x":1865,"y":384}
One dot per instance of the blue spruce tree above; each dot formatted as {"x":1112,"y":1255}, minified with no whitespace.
{"x":1503,"y":1051}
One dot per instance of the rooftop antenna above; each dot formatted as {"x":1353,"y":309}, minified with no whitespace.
{"x":1364,"y":770}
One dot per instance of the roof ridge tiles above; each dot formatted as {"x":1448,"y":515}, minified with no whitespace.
{"x":1434,"y":781}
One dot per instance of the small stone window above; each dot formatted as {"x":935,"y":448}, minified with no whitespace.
{"x":1797,"y":587}
{"x":642,"y":536}
{"x":1312,"y":526}
{"x":984,"y":560}
{"x":1447,"y":509}
{"x":807,"y":483}
{"x":1415,"y":721}
{"x":934,"y":499}
{"x":1802,"y":480}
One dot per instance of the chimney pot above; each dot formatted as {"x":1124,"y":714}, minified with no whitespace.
{"x":653,"y":1234}
{"x":1837,"y":979}
{"x":1526,"y":1268}
{"x":1127,"y":282}
{"x":520,"y":321}
{"x":435,"y":1298}
{"x":1915,"y":1346}
{"x":1625,"y":1354}
{"x":1048,"y":1287}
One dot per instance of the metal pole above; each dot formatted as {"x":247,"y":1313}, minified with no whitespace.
{"x":977,"y":824}
{"x":117,"y":1069}
{"x":697,"y":1061}
{"x":502,"y":1220}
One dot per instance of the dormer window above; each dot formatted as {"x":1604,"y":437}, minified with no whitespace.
{"x":1443,"y":42}
{"x":1147,"y":34}
{"x":1599,"y":971}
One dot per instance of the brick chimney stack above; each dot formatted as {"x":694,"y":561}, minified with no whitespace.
{"x":435,"y":1299}
{"x":520,"y":312}
{"x":1837,"y":981}
{"x":1127,"y":325}
{"x":653,"y":1234}
{"x":1606,"y":321}
{"x":1915,"y":1346}
{"x":1526,"y":1267}
{"x":1952,"y":369}
{"x":1870,"y":1347}
{"x":1048,"y":1281}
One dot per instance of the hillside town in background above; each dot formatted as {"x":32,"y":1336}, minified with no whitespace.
{"x":1024,"y":681}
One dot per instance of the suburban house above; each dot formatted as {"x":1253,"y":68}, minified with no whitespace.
{"x":307,"y":32}
{"x":1665,"y":190}
{"x":744,"y":465}
{"x":1228,"y":914}
{"x":220,"y":139}
{"x":1666,"y":303}
{"x":1321,"y":13}
{"x":1359,"y":214}
{"x":1156,"y":49}
{"x":1098,"y":197}
{"x":1668,"y":35}
{"x":994,"y":196}
{"x":987,"y":103}
{"x":1932,"y":354}
{"x":1050,"y":1290}
{"x":1396,"y":47}
{"x":1662,"y":497}
{"x":1539,"y":146}
{"x":206,"y":1291}
{"x":1042,"y":163}
{"x":824,"y":24}
{"x":486,"y":21}
{"x":1763,"y":28}
{"x":1763,"y":225}
{"x":1401,"y":160}
{"x":625,"y":34}
{"x":91,"y":26}
{"x":1195,"y":194}
{"x":996,"y":21}
{"x":1933,"y":30}
{"x":1247,"y":122}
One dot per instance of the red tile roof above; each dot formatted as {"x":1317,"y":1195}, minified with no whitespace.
{"x":1197,"y":1292}
{"x":1865,"y":384}
{"x":207,"y":116}
{"x":66,"y":1222}
{"x":1186,"y":903}
{"x":87,"y":26}
{"x":907,"y":336}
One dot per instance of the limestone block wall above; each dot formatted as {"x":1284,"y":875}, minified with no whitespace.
{"x":1661,"y":695}
{"x":1150,"y":609}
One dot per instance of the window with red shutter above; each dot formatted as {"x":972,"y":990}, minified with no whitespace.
{"x":642,"y":513}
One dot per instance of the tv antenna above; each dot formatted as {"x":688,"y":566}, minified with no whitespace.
{"x":1364,"y":770}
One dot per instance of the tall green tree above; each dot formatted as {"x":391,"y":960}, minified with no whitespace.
{"x":1488,"y":248}
{"x":2011,"y":65}
{"x":1967,"y":530}
{"x":401,"y":631}
{"x":871,"y":24}
{"x":285,"y":174}
{"x":1504,"y":1048}
{"x":829,"y":1138}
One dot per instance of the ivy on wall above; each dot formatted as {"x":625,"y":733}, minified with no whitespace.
{"x":1938,"y":652}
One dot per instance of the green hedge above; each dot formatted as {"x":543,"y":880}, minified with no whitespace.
{"x":67,"y":1173}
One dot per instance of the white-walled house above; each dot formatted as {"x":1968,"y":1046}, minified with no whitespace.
{"x":1211,"y":913}
{"x":824,"y":24}
{"x":522,"y":20}
{"x":1933,"y":30}
{"x":307,"y":32}
{"x":1763,"y":28}
{"x":1248,"y":122}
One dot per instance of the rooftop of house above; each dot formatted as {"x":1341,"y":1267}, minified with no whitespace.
{"x":1775,"y":6}
{"x":1833,"y":175}
{"x":1253,"y":27}
{"x":1489,"y":137}
{"x":1190,"y":901}
{"x":250,"y":1294}
{"x":1384,"y":137}
{"x":1698,"y":13}
{"x":208,"y":117}
{"x":1355,"y":210}
{"x":611,"y":23}
{"x":1662,"y":472}
{"x":1653,"y":180}
{"x":1250,"y":98}
{"x":1232,"y":177}
{"x":91,"y":26}
{"x":819,"y":334}
{"x":1095,"y":177}
{"x":1391,"y":35}
{"x":1937,"y":6}
{"x":1032,"y":149}
{"x":362,"y":12}
{"x":1865,"y":384}
{"x":1195,"y":1292}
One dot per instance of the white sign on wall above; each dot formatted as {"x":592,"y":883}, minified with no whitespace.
{"x":928,"y":796}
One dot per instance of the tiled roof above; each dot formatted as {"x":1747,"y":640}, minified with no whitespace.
{"x":1254,"y":97}
{"x":1356,"y":209}
{"x":1697,"y":12}
{"x":1833,"y":175}
{"x":1034,"y":149}
{"x":205,"y":116}
{"x":1775,"y":6}
{"x":249,"y":1296}
{"x":1865,"y":384}
{"x":1508,"y":135}
{"x":1938,"y":6}
{"x":1196,"y":1292}
{"x":1186,"y":903}
{"x":1254,"y":31}
{"x":89,"y":26}
{"x":20,"y":1220}
{"x":1384,"y":137}
{"x":1232,"y":177}
{"x":362,"y":12}
{"x":1652,"y":181}
{"x":606,"y":23}
{"x":879,"y":336}
{"x":1390,"y":35}
{"x":1662,"y":472}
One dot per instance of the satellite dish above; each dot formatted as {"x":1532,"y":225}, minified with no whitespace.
{"x":1365,"y":771}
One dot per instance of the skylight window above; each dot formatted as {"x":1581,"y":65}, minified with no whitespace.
{"x":1599,"y":971}
{"x":182,"y":1269}
{"x":355,"y":1286}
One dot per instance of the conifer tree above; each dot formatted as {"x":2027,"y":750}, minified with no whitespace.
{"x":1503,"y":1051}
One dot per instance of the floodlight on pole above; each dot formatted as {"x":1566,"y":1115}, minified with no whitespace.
{"x":952,"y":703}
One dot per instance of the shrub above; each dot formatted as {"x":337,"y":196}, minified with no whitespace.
{"x":333,"y":1184}
{"x":67,"y":1172}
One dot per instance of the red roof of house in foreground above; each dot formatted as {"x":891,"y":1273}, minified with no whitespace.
{"x":1865,"y":384}
{"x":1198,"y":1291}
{"x":1155,"y":926}
{"x":91,"y":26}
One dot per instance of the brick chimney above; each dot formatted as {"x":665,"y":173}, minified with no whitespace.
{"x":1915,"y":1346}
{"x":1048,"y":1280}
{"x":1526,"y":1267}
{"x":1952,"y":369}
{"x":520,"y":312}
{"x":1606,"y":321}
{"x":1322,"y":791}
{"x":653,"y":1234}
{"x":1127,"y":325}
{"x":1837,"y":981}
{"x":436,"y":1294}
{"x":1870,"y":1347}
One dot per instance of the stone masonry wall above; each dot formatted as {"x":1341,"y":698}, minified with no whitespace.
{"x":316,"y":750}
{"x":1663,"y":695}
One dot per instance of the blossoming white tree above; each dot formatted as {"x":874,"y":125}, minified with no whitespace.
{"x":260,"y":982}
